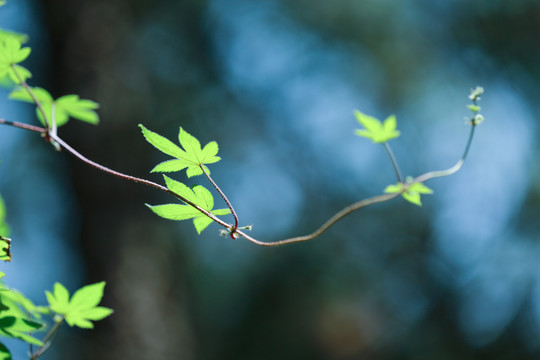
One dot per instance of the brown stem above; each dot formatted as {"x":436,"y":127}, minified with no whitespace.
{"x":24,"y":126}
{"x":136,"y":180}
{"x":334,"y":219}
{"x":32,"y":95}
{"x":233,"y":230}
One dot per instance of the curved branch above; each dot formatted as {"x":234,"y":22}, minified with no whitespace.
{"x":334,"y":219}
{"x":135,"y":179}
{"x":234,"y":228}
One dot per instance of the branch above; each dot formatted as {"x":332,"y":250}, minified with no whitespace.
{"x":135,"y":179}
{"x":24,"y":126}
{"x":334,"y":219}
{"x":34,"y":98}
{"x":233,"y":230}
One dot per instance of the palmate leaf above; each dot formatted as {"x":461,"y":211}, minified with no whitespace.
{"x":65,"y":107}
{"x":82,"y":307}
{"x":375,"y":130}
{"x":190,"y":156}
{"x":411,"y":193}
{"x":198,"y":195}
{"x":16,"y":316}
{"x":12,"y":53}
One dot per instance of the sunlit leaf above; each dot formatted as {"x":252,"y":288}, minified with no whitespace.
{"x":198,"y":195}
{"x":65,"y":107}
{"x":190,"y":156}
{"x":375,"y":130}
{"x":411,"y":193}
{"x":82,"y":307}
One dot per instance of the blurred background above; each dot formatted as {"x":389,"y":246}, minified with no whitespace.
{"x":275,"y":83}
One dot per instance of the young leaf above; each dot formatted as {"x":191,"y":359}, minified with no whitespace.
{"x":190,"y":157}
{"x":411,"y":193}
{"x":19,"y":328}
{"x":72,"y":106}
{"x":199,"y":195}
{"x":82,"y":307}
{"x":375,"y":130}
{"x":16,"y":311}
{"x":66,"y":107}
{"x":11,"y":54}
{"x":59,"y":299}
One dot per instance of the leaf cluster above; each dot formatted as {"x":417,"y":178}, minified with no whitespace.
{"x":59,"y":110}
{"x":19,"y":318}
{"x":192,"y":157}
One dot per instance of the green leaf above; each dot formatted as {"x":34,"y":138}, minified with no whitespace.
{"x":73,"y":106}
{"x":17,"y":328}
{"x":20,"y":93}
{"x":11,"y":53}
{"x":198,"y":195}
{"x":395,"y":188}
{"x":375,"y":130}
{"x":23,"y":38}
{"x":65,"y":107}
{"x":82,"y":307}
{"x":5,"y":354}
{"x":17,"y":316}
{"x":411,"y":192}
{"x":59,"y":299}
{"x":474,"y":108}
{"x":190,"y":156}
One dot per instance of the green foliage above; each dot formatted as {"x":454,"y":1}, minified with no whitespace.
{"x":82,"y":307}
{"x":12,"y":53}
{"x":19,"y":318}
{"x":65,"y":107}
{"x":198,"y":195}
{"x":191,"y":157}
{"x":375,"y":130}
{"x":410,"y":192}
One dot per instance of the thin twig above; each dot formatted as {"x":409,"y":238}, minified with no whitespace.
{"x":233,"y":230}
{"x":24,"y":126}
{"x":369,"y":201}
{"x":135,"y":179}
{"x":47,"y":341}
{"x":393,"y":161}
{"x":334,"y":219}
{"x":32,"y":95}
{"x":453,"y":169}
